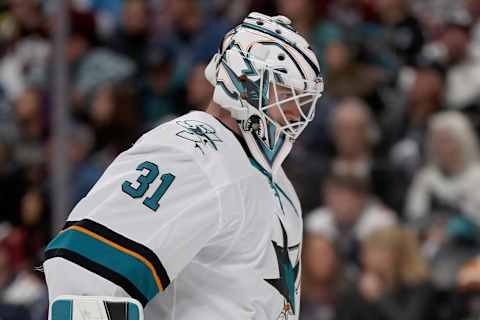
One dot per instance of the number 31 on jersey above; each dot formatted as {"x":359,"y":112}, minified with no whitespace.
{"x":144,"y":181}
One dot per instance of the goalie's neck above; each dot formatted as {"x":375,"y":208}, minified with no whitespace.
{"x":223,"y":116}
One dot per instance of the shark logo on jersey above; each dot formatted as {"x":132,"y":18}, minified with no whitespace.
{"x":200,"y":133}
{"x":288,"y":273}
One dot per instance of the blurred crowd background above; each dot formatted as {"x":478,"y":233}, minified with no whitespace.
{"x":388,"y":172}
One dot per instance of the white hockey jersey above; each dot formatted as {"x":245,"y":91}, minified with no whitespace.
{"x":189,"y":224}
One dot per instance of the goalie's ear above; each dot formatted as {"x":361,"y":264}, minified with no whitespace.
{"x":71,"y":307}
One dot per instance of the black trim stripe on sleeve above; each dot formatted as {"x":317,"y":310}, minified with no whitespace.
{"x":100,"y":270}
{"x":68,"y":224}
{"x":121,"y":240}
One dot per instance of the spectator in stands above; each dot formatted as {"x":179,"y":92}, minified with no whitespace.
{"x":405,"y":127}
{"x":23,"y":66}
{"x":444,"y":191}
{"x":160,"y":99}
{"x":402,"y":31}
{"x":352,"y":211}
{"x":473,"y":7}
{"x":455,"y":51}
{"x":133,"y":35}
{"x":28,"y":18}
{"x":108,"y":14}
{"x":116,"y":119}
{"x":347,"y":76}
{"x":467,"y":290}
{"x":302,"y":13}
{"x":91,"y":66}
{"x":31,"y":124}
{"x":355,"y":136}
{"x":463,"y":75}
{"x":394,"y":280}
{"x":450,"y":181}
{"x":8,"y":310}
{"x":193,"y":34}
{"x":84,"y":171}
{"x":449,"y":244}
{"x":433,"y":14}
{"x":350,"y":14}
{"x":27,"y":240}
{"x":323,"y":276}
{"x":22,"y":294}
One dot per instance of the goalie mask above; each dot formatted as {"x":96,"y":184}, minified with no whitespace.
{"x":268,"y":77}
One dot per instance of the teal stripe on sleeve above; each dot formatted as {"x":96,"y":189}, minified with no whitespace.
{"x":118,"y":261}
{"x":62,"y":310}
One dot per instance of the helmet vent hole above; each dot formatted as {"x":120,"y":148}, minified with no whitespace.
{"x":281,"y":57}
{"x":260,"y":23}
{"x":278,"y":31}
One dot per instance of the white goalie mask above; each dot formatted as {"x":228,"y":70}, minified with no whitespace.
{"x":267,"y":76}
